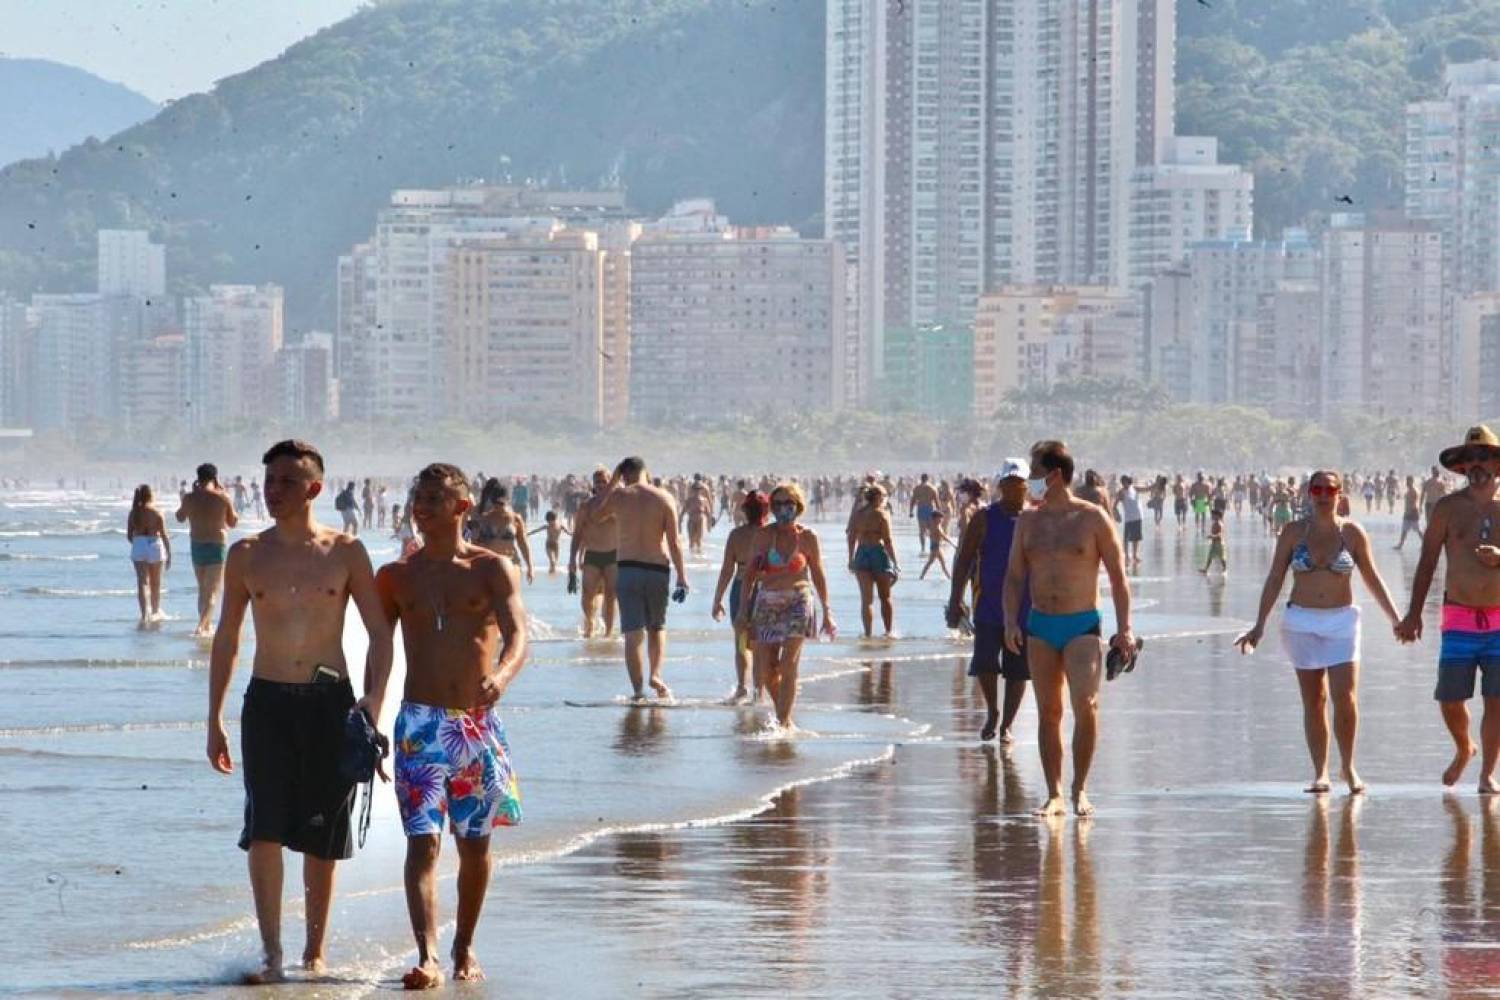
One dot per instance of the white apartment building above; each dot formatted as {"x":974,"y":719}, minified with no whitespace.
{"x":742,"y":321}
{"x":1039,"y":335}
{"x":233,"y":334}
{"x":354,"y":332}
{"x":1477,"y":354}
{"x":976,"y":143}
{"x":1188,"y":197}
{"x":307,"y":390}
{"x":72,"y":379}
{"x":154,"y":386}
{"x":1387,"y":349}
{"x":1167,"y":332}
{"x":1453,"y":171}
{"x":130,"y":264}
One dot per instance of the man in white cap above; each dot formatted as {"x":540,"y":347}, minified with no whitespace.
{"x":983,"y":555}
{"x":1465,"y":526}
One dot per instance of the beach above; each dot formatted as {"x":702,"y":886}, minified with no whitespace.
{"x":681,"y":852}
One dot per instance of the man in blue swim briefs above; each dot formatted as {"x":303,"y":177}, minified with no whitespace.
{"x":1465,"y":526}
{"x":209,"y":514}
{"x":924,"y":499}
{"x":1055,"y":557}
{"x":464,"y":631}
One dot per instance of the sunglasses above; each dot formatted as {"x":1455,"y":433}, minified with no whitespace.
{"x":1323,"y":491}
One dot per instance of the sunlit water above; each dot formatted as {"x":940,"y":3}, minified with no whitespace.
{"x":658,"y":857}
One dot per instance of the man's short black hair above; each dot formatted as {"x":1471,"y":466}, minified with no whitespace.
{"x":446,"y":475}
{"x":208,"y":472}
{"x":293,"y":448}
{"x":1053,"y":455}
{"x":632,"y":465}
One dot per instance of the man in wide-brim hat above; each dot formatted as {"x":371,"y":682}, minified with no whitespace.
{"x":1465,"y":526}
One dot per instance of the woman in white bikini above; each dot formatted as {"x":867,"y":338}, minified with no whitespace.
{"x":150,"y":553}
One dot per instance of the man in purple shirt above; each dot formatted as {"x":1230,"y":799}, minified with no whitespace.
{"x":983,"y":555}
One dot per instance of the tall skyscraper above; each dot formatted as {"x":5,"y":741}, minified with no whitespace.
{"x":1189,"y":197}
{"x":977,"y":143}
{"x":130,"y":264}
{"x":233,"y":334}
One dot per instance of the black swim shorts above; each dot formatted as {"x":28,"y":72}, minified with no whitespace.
{"x":290,"y":738}
{"x":991,"y":656}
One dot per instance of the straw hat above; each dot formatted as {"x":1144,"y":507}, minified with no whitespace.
{"x":1478,"y":436}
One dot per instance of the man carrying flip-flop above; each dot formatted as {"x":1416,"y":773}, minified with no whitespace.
{"x":1058,"y":549}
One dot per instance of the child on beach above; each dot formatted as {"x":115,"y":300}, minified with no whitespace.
{"x":555,"y":529}
{"x":1216,"y":544}
{"x":939,"y":537}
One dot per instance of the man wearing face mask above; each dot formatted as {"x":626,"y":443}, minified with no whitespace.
{"x":1465,"y":526}
{"x":1055,"y":556}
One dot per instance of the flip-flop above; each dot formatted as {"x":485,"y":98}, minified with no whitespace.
{"x":1117,"y":663}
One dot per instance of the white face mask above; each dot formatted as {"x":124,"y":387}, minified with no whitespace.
{"x":1037,"y":488}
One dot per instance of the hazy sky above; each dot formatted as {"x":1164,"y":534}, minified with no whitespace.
{"x":162,"y":48}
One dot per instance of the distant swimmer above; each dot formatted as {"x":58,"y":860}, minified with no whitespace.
{"x":1465,"y":527}
{"x":463,"y":627}
{"x":209,"y":514}
{"x":872,"y":557}
{"x":984,"y":555}
{"x":787,"y":598}
{"x":1058,"y":549}
{"x":297,"y":578}
{"x":923,"y":503}
{"x":596,"y":538}
{"x":738,"y":548}
{"x":1320,"y":628}
{"x":150,"y":552}
{"x":649,"y":550}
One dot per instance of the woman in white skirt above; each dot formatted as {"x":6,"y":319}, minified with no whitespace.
{"x":1320,"y":628}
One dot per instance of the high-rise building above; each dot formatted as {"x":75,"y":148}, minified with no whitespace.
{"x":154,"y":387}
{"x":354,"y":333}
{"x":1228,"y":279}
{"x":1476,"y":356}
{"x":16,"y":342}
{"x":1035,"y":336}
{"x":976,"y":143}
{"x":233,"y":334}
{"x":130,"y":264}
{"x":306,"y":387}
{"x":740,"y":321}
{"x":1284,"y":366}
{"x":525,"y":331}
{"x":1188,"y":197}
{"x":615,"y":242}
{"x":1453,"y":172}
{"x":72,"y":376}
{"x":1387,"y":349}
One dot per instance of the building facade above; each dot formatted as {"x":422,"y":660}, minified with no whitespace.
{"x":1187,"y":198}
{"x":232,"y":336}
{"x":130,"y":264}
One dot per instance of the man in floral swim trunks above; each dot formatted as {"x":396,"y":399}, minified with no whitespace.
{"x":457,"y":603}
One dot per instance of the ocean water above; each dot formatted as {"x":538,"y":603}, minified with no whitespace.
{"x":677,"y":852}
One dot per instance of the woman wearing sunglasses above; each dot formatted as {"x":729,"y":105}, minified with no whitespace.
{"x":784,"y":579}
{"x":1320,"y":627}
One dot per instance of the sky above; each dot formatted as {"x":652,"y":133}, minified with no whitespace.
{"x":162,"y":48}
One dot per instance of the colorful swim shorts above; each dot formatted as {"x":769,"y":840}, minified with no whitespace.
{"x":456,"y":763}
{"x":1471,"y":644}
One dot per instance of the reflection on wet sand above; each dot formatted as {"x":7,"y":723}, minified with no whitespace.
{"x":1067,"y":953}
{"x":781,"y":865}
{"x":877,"y":685}
{"x":1471,"y":933}
{"x":1006,"y":861}
{"x":642,"y":732}
{"x":1326,"y":960}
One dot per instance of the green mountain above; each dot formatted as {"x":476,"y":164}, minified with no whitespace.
{"x":46,"y":106}
{"x":281,"y":168}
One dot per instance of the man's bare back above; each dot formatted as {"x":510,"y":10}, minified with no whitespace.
{"x":645,"y":515}
{"x":208,"y":512}
{"x":596,"y":532}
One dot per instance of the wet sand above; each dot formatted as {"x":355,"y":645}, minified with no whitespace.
{"x":1208,"y":872}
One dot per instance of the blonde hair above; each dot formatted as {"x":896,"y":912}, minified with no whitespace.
{"x":794,"y":492}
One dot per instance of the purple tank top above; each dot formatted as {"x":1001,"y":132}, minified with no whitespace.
{"x":994,"y":558}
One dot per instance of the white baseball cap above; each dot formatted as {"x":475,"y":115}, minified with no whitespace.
{"x":1020,"y":468}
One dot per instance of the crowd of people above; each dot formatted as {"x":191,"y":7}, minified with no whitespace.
{"x":1027,"y":550}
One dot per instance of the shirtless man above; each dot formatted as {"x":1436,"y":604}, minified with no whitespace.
{"x":923,"y":502}
{"x":646,"y":519}
{"x":457,"y":604}
{"x":210,"y":514}
{"x":597,"y":537}
{"x":697,"y":511}
{"x":1411,"y":513}
{"x":1465,"y":527}
{"x":1433,"y":490}
{"x":1055,"y":555}
{"x":297,"y":577}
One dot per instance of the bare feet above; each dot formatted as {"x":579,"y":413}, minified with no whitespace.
{"x":1460,"y":761}
{"x":1320,"y":786}
{"x":1081,"y":804}
{"x":1351,"y":778}
{"x":428,"y":976}
{"x":990,"y":722}
{"x":1487,"y":786}
{"x":270,"y":971}
{"x":663,"y":693}
{"x":1055,"y":806}
{"x":1007,"y":737}
{"x":466,"y":967}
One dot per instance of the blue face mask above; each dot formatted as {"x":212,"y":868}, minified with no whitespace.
{"x":785,"y":513}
